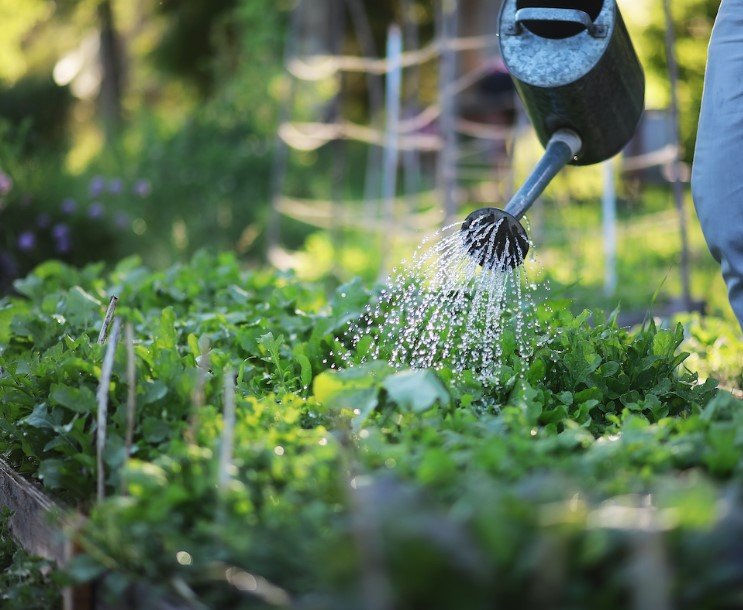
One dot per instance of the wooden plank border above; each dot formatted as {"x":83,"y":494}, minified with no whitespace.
{"x":36,"y":523}
{"x":38,"y":526}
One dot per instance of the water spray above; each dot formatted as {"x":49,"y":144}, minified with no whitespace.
{"x":576,"y":71}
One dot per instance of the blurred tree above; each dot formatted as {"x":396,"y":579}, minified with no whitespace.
{"x":112,"y":77}
{"x":194,"y":32}
{"x":37,"y":107}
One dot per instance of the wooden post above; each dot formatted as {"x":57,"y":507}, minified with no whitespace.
{"x":338,"y":145}
{"x":281,"y":148}
{"x":447,"y":31}
{"x":365,"y":37}
{"x":678,"y":187}
{"x":391,"y":150}
{"x":411,"y":155}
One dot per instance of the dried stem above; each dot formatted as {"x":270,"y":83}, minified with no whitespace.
{"x":199,"y":396}
{"x":228,"y":429}
{"x":108,"y":362}
{"x":131,"y":397}
{"x":107,"y":320}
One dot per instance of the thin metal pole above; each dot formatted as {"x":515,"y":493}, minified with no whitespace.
{"x":609,"y":218}
{"x":281,"y":149}
{"x":391,"y":150}
{"x":447,"y":25}
{"x":678,"y":188}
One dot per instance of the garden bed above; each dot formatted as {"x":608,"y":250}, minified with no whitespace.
{"x":597,"y":473}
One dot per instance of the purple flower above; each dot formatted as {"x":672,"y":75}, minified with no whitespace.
{"x":61,"y":234}
{"x":6,"y":183}
{"x":63,"y":245}
{"x":142,"y":187}
{"x":95,"y":210}
{"x":43,"y":220}
{"x":97,"y":184}
{"x":116,"y":186}
{"x":69,"y":205}
{"x":26,"y":241}
{"x":60,"y":231}
{"x":122,"y":220}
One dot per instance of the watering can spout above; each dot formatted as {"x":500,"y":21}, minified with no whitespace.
{"x":496,"y":238}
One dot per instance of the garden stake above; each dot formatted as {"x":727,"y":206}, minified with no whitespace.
{"x":107,"y":320}
{"x":108,"y":362}
{"x":131,"y":396}
{"x":197,"y":401}
{"x":228,"y":430}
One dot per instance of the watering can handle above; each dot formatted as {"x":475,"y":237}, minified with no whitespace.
{"x":563,"y":15}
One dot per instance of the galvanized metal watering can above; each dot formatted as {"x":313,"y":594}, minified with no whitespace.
{"x":579,"y":78}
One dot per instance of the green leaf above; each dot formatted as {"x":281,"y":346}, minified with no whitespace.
{"x":154,"y":391}
{"x":305,"y":369}
{"x":80,"y":400}
{"x":155,"y":430}
{"x":416,"y":390}
{"x":167,"y":336}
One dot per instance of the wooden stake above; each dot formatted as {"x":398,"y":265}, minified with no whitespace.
{"x":107,"y":320}
{"x":447,"y":25}
{"x":365,"y":37}
{"x":391,"y":148}
{"x":108,"y":362}
{"x":228,"y":430}
{"x":199,"y":397}
{"x":281,"y":149}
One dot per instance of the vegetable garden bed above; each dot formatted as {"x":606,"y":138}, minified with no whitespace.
{"x":600,"y":473}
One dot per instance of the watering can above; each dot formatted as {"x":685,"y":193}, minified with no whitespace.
{"x":577,"y":73}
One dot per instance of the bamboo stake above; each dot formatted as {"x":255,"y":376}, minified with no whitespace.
{"x":107,"y":320}
{"x":108,"y":362}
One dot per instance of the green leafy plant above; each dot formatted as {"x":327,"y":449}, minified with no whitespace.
{"x":443,"y":489}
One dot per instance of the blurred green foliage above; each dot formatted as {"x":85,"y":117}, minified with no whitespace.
{"x":38,"y":109}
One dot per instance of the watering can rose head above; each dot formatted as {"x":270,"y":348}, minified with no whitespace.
{"x":495,"y":239}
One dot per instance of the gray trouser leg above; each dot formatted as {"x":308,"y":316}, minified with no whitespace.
{"x":717,"y":176}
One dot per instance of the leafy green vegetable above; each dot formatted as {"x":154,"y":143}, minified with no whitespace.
{"x":529,"y":492}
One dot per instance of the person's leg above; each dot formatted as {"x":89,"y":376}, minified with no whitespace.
{"x":717,"y":175}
